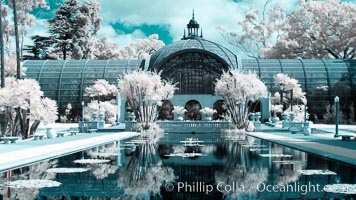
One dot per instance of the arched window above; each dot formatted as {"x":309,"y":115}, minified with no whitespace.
{"x":193,"y":107}
{"x":165,"y":111}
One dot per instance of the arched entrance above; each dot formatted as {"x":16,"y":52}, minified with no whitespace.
{"x":254,"y":106}
{"x":193,"y":107}
{"x":165,"y":111}
{"x":221,"y":109}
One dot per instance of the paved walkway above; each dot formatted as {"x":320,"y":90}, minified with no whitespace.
{"x":323,"y":144}
{"x":30,"y":151}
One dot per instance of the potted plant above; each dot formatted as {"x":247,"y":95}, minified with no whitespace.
{"x":207,"y":113}
{"x":51,"y":133}
{"x":258,"y":116}
{"x":285,"y":116}
{"x":179,"y":113}
{"x":275,"y":109}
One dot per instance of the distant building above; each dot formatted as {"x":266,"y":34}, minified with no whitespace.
{"x":195,"y":63}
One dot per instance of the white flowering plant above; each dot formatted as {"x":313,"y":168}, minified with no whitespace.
{"x":145,"y":91}
{"x":207,"y":111}
{"x":179,"y":110}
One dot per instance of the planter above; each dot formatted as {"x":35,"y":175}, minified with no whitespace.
{"x":178,"y":117}
{"x":131,"y":117}
{"x":207,"y":118}
{"x":306,"y":129}
{"x":101,"y":117}
{"x":94,"y":117}
{"x":292,"y":116}
{"x":252,"y":117}
{"x":274,"y":119}
{"x":258,"y":117}
{"x":51,"y":133}
{"x":285,"y":116}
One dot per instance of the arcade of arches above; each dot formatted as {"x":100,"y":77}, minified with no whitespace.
{"x":193,"y":107}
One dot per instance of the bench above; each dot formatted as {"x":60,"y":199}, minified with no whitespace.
{"x":73,"y":133}
{"x":61,"y":134}
{"x":294,"y":130}
{"x":38,"y":137}
{"x":92,"y":130}
{"x":8,"y":140}
{"x":347,"y":137}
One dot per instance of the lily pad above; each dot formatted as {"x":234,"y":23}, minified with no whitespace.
{"x":66,"y":170}
{"x":34,"y":183}
{"x":91,"y":161}
{"x":341,"y":188}
{"x":316,"y":172}
{"x":276,"y":155}
{"x":289,"y":162}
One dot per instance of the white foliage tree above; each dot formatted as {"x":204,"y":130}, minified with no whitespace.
{"x":26,"y":99}
{"x":141,"y":48}
{"x":104,"y":49}
{"x":10,"y":66}
{"x":86,"y":26}
{"x":288,"y":85}
{"x":238,"y":89}
{"x":102,"y":94}
{"x":319,"y":29}
{"x":260,"y":30}
{"x":145,"y":91}
{"x":101,"y":89}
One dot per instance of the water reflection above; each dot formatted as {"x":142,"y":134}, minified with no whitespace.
{"x":236,"y":168}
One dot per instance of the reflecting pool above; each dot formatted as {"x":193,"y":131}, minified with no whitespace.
{"x":184,"y":166}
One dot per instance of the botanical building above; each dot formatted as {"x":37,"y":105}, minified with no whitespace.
{"x":195,"y":63}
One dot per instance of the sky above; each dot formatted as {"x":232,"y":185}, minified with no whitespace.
{"x":127,"y":20}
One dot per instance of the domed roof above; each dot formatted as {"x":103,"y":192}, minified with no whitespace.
{"x":193,"y":22}
{"x":193,"y":45}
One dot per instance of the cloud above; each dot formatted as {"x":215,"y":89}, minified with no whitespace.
{"x":172,"y":17}
{"x":176,"y":14}
{"x":41,"y":28}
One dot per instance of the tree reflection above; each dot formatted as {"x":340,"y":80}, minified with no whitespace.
{"x":35,"y":172}
{"x":240,"y":172}
{"x":145,"y":173}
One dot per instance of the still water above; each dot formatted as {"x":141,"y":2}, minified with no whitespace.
{"x":182,"y":166}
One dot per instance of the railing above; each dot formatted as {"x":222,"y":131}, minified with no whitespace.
{"x":187,"y":126}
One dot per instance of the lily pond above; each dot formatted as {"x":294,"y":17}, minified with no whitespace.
{"x":183,"y":166}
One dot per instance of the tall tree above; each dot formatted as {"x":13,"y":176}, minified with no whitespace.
{"x":62,"y":28}
{"x":39,"y":49}
{"x":319,"y":29}
{"x":73,"y":29}
{"x":87,"y":25}
{"x":17,"y":42}
{"x":22,"y":17}
{"x":2,"y":50}
{"x":260,"y":30}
